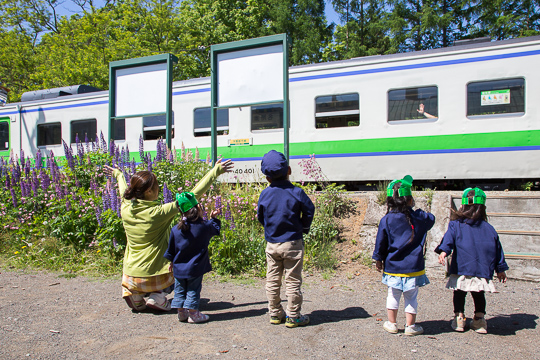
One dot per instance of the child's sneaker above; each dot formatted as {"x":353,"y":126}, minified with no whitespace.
{"x":458,"y":324}
{"x":479,"y":325}
{"x":158,"y":301}
{"x":183,"y":314}
{"x":301,"y":320}
{"x":196,"y":317}
{"x":413,"y":330}
{"x":276,"y":320}
{"x":390,"y":327}
{"x":136,"y":302}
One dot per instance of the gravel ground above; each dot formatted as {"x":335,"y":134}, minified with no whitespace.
{"x":46,"y":316}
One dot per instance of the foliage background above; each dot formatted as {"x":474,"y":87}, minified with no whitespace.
{"x":40,"y":48}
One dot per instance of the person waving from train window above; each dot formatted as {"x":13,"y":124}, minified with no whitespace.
{"x":148,"y":224}
{"x":422,"y":112}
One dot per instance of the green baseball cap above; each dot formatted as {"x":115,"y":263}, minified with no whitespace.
{"x":404,"y":189}
{"x":186,"y":201}
{"x":479,"y":197}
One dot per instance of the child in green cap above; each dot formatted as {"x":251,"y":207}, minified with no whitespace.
{"x":399,"y":253}
{"x":188,"y":254}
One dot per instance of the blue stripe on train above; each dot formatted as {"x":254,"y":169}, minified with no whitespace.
{"x":407,"y":152}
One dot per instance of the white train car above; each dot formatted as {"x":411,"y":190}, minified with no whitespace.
{"x":360,"y":118}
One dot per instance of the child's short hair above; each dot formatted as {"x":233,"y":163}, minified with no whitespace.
{"x":274,"y":165}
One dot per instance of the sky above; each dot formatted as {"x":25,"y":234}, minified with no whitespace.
{"x":331,"y":15}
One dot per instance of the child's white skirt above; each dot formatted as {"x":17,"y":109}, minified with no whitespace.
{"x":405,"y":283}
{"x":470,"y":283}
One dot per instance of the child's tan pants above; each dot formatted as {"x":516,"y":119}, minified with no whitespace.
{"x":284,"y":259}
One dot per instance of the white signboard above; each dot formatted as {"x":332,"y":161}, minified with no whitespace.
{"x":141,"y":90}
{"x":250,"y":76}
{"x":495,"y":97}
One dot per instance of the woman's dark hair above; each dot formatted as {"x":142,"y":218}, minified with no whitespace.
{"x":190,"y":216}
{"x":474,"y":212}
{"x":401,"y":204}
{"x":139,"y":184}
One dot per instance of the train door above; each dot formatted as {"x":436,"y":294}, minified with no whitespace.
{"x":5,"y":145}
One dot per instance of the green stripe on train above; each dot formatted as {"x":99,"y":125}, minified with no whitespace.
{"x":434,"y":142}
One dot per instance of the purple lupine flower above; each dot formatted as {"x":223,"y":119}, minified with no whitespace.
{"x":218,"y":205}
{"x":141,"y":148}
{"x":69,"y":155}
{"x":98,"y":216}
{"x":103,"y":142}
{"x":77,"y":183}
{"x":38,"y":159}
{"x":167,"y":195}
{"x":13,"y":197}
{"x":123,"y":158}
{"x":111,"y":148}
{"x":27,"y":167}
{"x":170,"y":156}
{"x":232,"y":224}
{"x":126,"y":159}
{"x":8,"y":182}
{"x":158,"y":151}
{"x":45,"y":180}
{"x":149,"y":166}
{"x":80,"y":149}
{"x":228,"y":215}
{"x":86,"y":142}
{"x":105,"y":200}
{"x":133,"y":166}
{"x":35,"y":182}
{"x":127,"y":176}
{"x":23,"y":188}
{"x":22,"y":157}
{"x":58,"y":191}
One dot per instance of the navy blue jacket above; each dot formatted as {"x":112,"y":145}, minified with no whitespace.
{"x":393,"y":246}
{"x":476,"y":247}
{"x":285,"y":211}
{"x":188,"y":252}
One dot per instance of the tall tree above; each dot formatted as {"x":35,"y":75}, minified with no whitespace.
{"x":305,"y":23}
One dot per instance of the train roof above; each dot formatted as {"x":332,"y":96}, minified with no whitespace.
{"x":461,"y":45}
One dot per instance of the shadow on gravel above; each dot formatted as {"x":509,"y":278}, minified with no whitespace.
{"x":328,"y":316}
{"x":207,"y":305}
{"x":436,"y":327}
{"x":503,"y":325}
{"x":510,"y":324}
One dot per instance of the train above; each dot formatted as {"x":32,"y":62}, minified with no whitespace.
{"x":462,"y":114}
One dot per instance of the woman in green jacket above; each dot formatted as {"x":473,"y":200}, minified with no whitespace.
{"x":147,"y":224}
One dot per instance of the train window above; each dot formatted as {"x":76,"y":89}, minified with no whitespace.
{"x":337,"y":111}
{"x":4,"y":135}
{"x":266,"y":117}
{"x":85,"y":129}
{"x":155,"y":127}
{"x":119,"y":129}
{"x":496,"y":97}
{"x":201,"y":121}
{"x":403,"y":104}
{"x":49,"y":134}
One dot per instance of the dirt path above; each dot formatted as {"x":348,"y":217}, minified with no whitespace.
{"x":44,"y":316}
